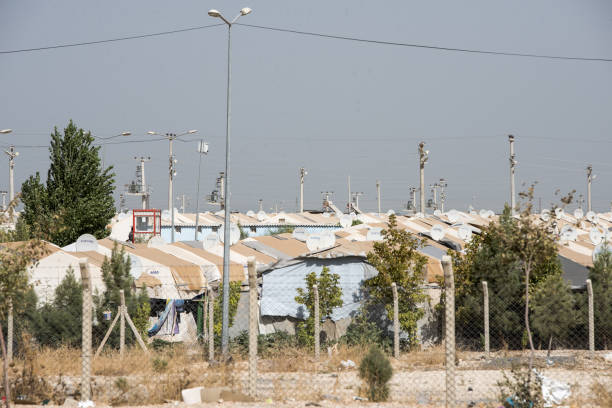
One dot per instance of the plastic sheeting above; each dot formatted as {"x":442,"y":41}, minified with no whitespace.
{"x":280,"y":285}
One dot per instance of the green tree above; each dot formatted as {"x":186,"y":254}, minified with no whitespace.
{"x":493,"y":257}
{"x":77,"y":197}
{"x":116,"y":276}
{"x":553,"y":310}
{"x":234,"y":299}
{"x":330,"y":297}
{"x":601,"y":279}
{"x":59,"y":322}
{"x":397,"y":260}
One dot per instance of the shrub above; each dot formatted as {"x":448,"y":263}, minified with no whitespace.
{"x":523,"y":389}
{"x":159,"y":364}
{"x":375,"y":369}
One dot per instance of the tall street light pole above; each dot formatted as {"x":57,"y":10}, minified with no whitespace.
{"x":202,"y":150}
{"x":171,"y":174}
{"x":226,"y":227}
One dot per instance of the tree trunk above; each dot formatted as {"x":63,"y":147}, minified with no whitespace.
{"x":7,"y":392}
{"x":532,"y":355}
{"x":549,"y":347}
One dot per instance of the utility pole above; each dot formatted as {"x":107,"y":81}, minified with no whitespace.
{"x":442,"y":186}
{"x":260,"y":204}
{"x":202,"y":149}
{"x":143,"y":182}
{"x":349,"y":206}
{"x":434,"y":193}
{"x":423,"y":156}
{"x":590,"y":178}
{"x":302,"y":174}
{"x":172,"y":173}
{"x":413,"y":191}
{"x":11,"y":153}
{"x":512,"y":167}
{"x":3,"y":200}
{"x":378,"y":195}
{"x":356,"y":196}
{"x":121,"y":202}
{"x":182,"y":198}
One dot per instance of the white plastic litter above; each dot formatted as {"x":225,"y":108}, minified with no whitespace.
{"x":608,"y":357}
{"x":553,"y":391}
{"x":192,"y":395}
{"x":86,"y":404}
{"x":348,"y":364}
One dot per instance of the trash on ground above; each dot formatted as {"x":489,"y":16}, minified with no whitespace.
{"x":553,"y":391}
{"x":348,"y":364}
{"x":86,"y":404}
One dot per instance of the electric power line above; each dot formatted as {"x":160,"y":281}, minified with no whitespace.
{"x":322,"y":35}
{"x":431,"y":47}
{"x":131,"y":37}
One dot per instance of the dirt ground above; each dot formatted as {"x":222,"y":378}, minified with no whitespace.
{"x":419,"y":380}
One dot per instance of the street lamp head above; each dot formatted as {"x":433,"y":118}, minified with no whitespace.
{"x":150,"y":132}
{"x":191,"y":132}
{"x":245,"y":11}
{"x":5,"y":131}
{"x":214,"y":13}
{"x":126,"y":133}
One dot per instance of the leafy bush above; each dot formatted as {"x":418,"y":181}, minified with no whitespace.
{"x":363,"y":331}
{"x":375,"y":369}
{"x":159,"y":364}
{"x":234,"y":298}
{"x":330,"y":296}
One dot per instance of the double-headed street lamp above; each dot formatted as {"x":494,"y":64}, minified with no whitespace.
{"x":226,"y":203}
{"x":11,"y":153}
{"x":126,"y":133}
{"x":172,"y":172}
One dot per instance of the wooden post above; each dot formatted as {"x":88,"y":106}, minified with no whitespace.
{"x":449,"y":291}
{"x":253,"y":328}
{"x":9,"y":332}
{"x":396,"y":339}
{"x":211,"y":326}
{"x":122,"y":324}
{"x":316,"y":322}
{"x":591,"y":318}
{"x":485,"y":291}
{"x":86,"y":330}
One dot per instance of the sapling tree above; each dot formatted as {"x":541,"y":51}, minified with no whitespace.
{"x":330,"y":297}
{"x":397,"y":260}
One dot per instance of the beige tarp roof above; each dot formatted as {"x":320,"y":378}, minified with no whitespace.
{"x":284,"y":243}
{"x":246,"y":251}
{"x":183,"y":272}
{"x":236,"y":269}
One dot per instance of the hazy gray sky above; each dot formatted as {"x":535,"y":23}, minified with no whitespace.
{"x":335,"y":107}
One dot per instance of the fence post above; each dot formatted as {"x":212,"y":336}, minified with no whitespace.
{"x":449,"y":291}
{"x":395,"y":321}
{"x":591,"y":318}
{"x":9,"y":332}
{"x":317,"y":337}
{"x":211,"y":326}
{"x":485,"y":291}
{"x":86,"y":330}
{"x":253,"y":320}
{"x":122,"y":324}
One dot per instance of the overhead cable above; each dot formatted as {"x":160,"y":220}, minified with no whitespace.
{"x":431,"y":47}
{"x":132,"y":37}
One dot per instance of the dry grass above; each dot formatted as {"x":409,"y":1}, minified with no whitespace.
{"x":602,"y":394}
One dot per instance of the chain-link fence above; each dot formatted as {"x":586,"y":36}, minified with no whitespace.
{"x":295,"y":339}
